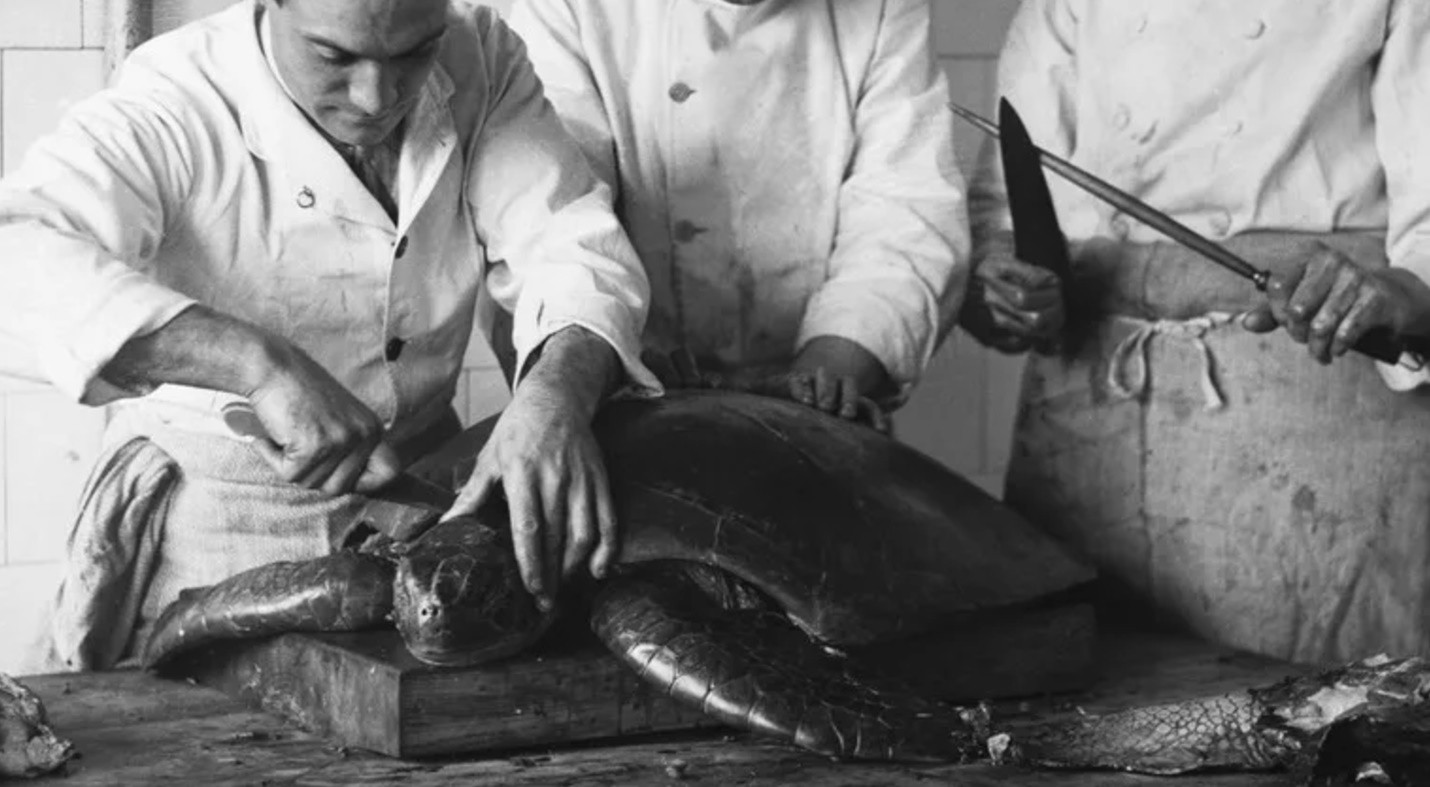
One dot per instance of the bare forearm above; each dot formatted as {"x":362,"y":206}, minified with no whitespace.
{"x":579,"y":367}
{"x":201,"y":348}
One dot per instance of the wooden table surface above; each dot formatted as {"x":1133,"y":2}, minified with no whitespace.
{"x":134,"y":729}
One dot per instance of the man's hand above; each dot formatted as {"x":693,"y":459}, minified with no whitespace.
{"x":544,"y":457}
{"x":320,"y":435}
{"x":1012,"y":306}
{"x":837,"y":376}
{"x":831,"y":374}
{"x":1329,"y":303}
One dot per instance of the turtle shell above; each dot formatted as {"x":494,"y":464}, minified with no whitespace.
{"x":859,"y":537}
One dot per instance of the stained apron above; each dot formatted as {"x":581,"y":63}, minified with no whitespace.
{"x":170,"y":507}
{"x":1226,"y":478}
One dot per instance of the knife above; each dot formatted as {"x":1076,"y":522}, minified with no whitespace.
{"x":1037,"y":237}
{"x":403,"y":508}
{"x":1379,"y":344}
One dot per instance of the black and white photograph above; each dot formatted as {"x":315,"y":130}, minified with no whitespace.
{"x":724,"y":392}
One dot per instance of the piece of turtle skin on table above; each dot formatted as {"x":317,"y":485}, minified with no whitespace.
{"x":758,"y":538}
{"x":1364,"y":723}
{"x":29,"y":747}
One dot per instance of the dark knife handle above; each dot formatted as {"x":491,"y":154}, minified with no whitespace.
{"x":1386,"y":347}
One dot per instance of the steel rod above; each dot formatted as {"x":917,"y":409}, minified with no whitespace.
{"x":1132,"y":206}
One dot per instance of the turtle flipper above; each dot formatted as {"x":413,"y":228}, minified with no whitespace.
{"x":754,"y":669}
{"x":1165,"y":740}
{"x":344,"y":591}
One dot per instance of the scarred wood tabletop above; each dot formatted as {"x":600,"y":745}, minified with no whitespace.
{"x":135,"y":729}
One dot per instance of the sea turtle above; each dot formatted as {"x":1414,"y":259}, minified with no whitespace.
{"x":762,"y":544}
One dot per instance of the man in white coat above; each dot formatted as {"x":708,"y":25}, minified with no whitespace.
{"x":786,"y":171}
{"x":1232,"y":479}
{"x":294,"y":202}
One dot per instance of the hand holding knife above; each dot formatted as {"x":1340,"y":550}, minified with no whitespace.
{"x":400,"y":507}
{"x":1379,"y":344}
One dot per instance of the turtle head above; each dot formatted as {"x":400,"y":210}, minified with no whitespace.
{"x":458,"y":599}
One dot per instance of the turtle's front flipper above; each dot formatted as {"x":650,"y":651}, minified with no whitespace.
{"x":754,"y":669}
{"x":345,"y":591}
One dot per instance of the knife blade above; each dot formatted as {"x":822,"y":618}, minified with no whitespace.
{"x":403,"y":508}
{"x":1037,"y":237}
{"x":1380,"y":344}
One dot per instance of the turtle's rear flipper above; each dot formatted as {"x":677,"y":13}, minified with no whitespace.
{"x":752,"y":668}
{"x":344,"y":591}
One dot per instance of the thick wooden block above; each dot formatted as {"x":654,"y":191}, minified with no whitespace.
{"x":364,"y":690}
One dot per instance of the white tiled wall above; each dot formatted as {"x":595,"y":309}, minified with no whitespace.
{"x":50,"y":56}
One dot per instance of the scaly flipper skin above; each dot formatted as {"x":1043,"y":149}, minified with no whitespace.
{"x":345,"y":591}
{"x":754,"y":669}
{"x":1326,"y":726}
{"x":1219,"y":732}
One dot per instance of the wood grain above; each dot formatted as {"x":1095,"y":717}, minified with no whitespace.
{"x":133,"y":728}
{"x":365,"y":690}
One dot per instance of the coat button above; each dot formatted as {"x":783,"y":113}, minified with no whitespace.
{"x":393,"y":349}
{"x":401,"y":247}
{"x":685,"y":231}
{"x":1122,"y":117}
{"x":680,"y":91}
{"x":1219,"y":223}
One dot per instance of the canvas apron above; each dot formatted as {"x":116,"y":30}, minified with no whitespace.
{"x":170,"y":507}
{"x":1247,"y":492}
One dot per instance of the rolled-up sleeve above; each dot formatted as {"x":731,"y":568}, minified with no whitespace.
{"x":901,"y":251}
{"x":79,"y":219}
{"x":560,"y":257}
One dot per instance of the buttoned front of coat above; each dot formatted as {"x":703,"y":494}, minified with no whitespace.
{"x":785,"y":169}
{"x":197,"y":180}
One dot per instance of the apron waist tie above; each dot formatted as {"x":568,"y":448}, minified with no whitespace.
{"x":1132,"y":352}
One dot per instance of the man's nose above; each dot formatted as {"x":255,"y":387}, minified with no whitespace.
{"x":373,"y":89}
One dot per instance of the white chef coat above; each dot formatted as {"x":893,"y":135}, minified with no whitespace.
{"x":1323,"y":135}
{"x":196,"y":179}
{"x":786,"y":169}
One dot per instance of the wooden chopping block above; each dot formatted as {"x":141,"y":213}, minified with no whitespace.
{"x":364,"y":690}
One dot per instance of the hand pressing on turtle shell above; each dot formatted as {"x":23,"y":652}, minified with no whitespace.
{"x":831,"y":374}
{"x":545,"y":459}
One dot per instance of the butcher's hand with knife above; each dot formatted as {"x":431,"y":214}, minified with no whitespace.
{"x":316,"y":434}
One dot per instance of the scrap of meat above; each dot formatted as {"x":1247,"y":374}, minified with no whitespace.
{"x":28,"y":746}
{"x":1369,"y":719}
